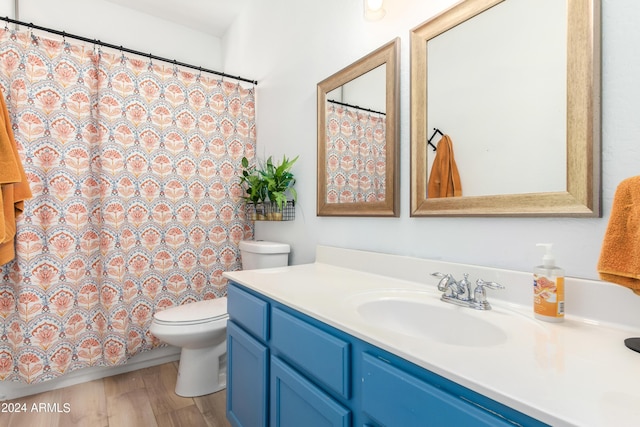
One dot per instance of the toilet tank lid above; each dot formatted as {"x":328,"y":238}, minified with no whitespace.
{"x":195,"y":311}
{"x":264,"y":247}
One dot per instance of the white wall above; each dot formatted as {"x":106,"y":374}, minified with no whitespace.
{"x":120,"y":26}
{"x":289,"y":46}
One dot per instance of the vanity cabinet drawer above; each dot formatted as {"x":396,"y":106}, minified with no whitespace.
{"x":395,"y":398}
{"x":296,"y":401}
{"x":321,"y":356}
{"x":249,"y":311}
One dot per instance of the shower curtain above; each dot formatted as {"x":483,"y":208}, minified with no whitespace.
{"x":355,"y":155}
{"x":136,"y":205}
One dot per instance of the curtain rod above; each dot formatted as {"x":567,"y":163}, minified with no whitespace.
{"x":124,"y":49}
{"x":355,"y":106}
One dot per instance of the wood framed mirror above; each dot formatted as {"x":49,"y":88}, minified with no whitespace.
{"x":574,"y":120}
{"x":358,"y":137}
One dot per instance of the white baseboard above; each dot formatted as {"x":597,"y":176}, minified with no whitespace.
{"x":158,"y":356}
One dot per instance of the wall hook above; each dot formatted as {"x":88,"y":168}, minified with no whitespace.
{"x":435,"y":132}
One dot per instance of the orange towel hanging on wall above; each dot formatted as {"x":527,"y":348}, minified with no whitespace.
{"x":619,"y":261}
{"x":14,"y":187}
{"x":444,"y":180}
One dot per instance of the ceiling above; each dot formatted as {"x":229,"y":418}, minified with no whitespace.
{"x":208,"y":16}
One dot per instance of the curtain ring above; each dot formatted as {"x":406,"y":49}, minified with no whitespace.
{"x":34,"y":39}
{"x":175,"y":68}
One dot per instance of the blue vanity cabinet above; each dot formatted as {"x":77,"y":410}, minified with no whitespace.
{"x":314,"y":375}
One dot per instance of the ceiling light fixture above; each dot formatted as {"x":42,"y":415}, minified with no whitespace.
{"x":374,"y":10}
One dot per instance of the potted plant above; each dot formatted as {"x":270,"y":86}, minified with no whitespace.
{"x":278,"y":180}
{"x":254,"y":186}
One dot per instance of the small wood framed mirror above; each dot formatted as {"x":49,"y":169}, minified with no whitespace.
{"x":358,"y":137}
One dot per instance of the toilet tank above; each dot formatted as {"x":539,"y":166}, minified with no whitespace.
{"x":262,"y":254}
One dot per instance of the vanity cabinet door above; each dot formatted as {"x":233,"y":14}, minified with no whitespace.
{"x":247,"y":372}
{"x":296,"y":401}
{"x":395,"y":398}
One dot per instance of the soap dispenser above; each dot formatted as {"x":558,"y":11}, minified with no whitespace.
{"x":548,"y":288}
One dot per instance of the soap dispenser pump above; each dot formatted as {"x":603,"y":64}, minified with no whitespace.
{"x":548,"y":288}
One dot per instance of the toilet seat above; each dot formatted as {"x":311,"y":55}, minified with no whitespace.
{"x":193,"y":313}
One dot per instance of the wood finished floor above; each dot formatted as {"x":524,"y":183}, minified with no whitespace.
{"x":143,"y":398}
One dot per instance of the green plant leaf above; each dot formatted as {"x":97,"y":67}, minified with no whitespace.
{"x":268,"y":180}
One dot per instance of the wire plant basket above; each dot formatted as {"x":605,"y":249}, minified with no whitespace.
{"x":269,"y":211}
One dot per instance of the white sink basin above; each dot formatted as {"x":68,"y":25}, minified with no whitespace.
{"x":423,"y":315}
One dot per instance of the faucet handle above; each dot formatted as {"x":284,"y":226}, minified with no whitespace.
{"x":480,"y":296}
{"x":491,"y":285}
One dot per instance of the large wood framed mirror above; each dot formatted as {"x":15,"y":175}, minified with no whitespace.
{"x":358,"y":143}
{"x":515,"y":84}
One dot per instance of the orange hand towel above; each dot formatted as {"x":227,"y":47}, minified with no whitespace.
{"x":444,"y":180}
{"x":14,"y":187}
{"x":620,"y":256}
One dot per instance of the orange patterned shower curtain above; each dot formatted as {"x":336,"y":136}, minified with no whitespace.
{"x":136,"y":205}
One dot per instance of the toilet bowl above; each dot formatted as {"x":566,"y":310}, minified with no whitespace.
{"x":200,"y":328}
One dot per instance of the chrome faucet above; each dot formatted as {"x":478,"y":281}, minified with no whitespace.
{"x":459,"y":293}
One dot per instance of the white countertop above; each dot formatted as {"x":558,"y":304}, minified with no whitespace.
{"x":573,"y":373}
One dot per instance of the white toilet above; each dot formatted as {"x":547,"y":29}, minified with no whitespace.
{"x":200,"y":328}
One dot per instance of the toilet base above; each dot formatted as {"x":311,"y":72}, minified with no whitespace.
{"x":202,"y":371}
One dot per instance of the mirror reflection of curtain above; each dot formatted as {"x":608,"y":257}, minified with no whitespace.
{"x":136,"y":207}
{"x":356,"y":156}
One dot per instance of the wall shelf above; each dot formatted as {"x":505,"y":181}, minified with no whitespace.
{"x":270,"y":212}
